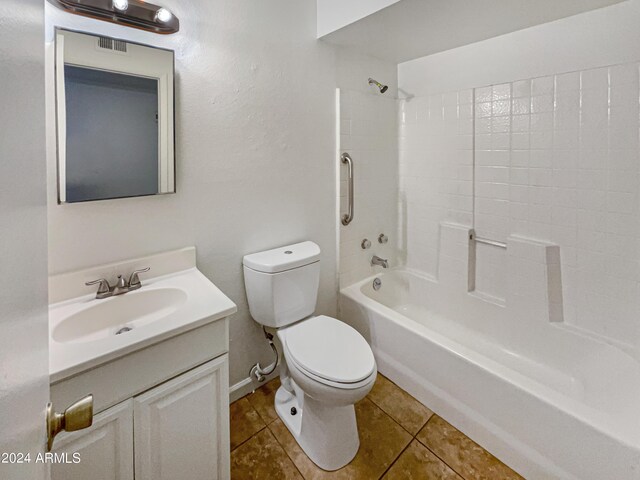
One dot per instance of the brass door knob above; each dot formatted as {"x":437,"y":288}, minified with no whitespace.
{"x":77,"y":416}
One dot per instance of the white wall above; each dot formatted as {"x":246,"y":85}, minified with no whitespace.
{"x":23,"y":237}
{"x":335,"y":14}
{"x":368,"y":132}
{"x":255,"y":149}
{"x":556,"y":157}
{"x":411,"y":29}
{"x":601,"y":37}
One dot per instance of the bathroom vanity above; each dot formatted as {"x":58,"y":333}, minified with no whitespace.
{"x":155,"y":361}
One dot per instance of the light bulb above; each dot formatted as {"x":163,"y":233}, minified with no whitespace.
{"x":120,"y":5}
{"x":163,"y":15}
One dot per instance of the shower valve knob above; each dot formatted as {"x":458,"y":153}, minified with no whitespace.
{"x":365,"y":244}
{"x":382,"y":238}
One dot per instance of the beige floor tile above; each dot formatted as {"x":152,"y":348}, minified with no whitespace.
{"x":308,"y":469}
{"x":262,"y":458}
{"x":381,"y":441}
{"x":462,"y":454}
{"x":245,"y":422}
{"x":401,"y":406}
{"x":418,"y":463}
{"x":263,"y":400}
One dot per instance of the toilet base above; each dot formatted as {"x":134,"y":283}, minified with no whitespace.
{"x":327,"y":434}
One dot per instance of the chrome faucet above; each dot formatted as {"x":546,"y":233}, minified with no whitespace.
{"x":376,"y":260}
{"x":121,"y":287}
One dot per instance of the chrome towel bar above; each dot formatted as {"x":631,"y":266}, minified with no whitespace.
{"x":346,"y":158}
{"x":486,"y":241}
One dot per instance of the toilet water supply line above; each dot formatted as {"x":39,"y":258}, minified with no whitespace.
{"x":257,"y":371}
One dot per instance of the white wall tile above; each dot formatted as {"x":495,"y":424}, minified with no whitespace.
{"x":372,"y":141}
{"x":556,"y":158}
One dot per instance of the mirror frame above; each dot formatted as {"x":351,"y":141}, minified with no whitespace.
{"x":166,"y":105}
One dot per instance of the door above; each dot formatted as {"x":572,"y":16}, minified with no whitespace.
{"x":24,"y":376}
{"x":102,"y":452}
{"x":182,"y":426}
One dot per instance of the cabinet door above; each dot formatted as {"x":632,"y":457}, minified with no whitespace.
{"x":182,"y":426}
{"x":105,"y":448}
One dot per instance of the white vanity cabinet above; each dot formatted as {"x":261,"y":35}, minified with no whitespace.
{"x":105,"y":449}
{"x":182,"y":426}
{"x":178,"y":430}
{"x":160,"y":386}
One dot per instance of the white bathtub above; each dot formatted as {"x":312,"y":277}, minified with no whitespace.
{"x":549,"y":402}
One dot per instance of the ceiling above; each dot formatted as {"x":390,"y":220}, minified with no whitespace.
{"x":411,"y":29}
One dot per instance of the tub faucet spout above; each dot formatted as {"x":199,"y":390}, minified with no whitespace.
{"x":376,"y":260}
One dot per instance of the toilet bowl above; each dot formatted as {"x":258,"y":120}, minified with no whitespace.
{"x":326,"y":365}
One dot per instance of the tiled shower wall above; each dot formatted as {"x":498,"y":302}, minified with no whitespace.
{"x":436,"y":172}
{"x":557,"y":159}
{"x":369,"y":133}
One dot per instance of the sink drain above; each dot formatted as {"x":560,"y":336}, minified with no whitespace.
{"x":124,"y":330}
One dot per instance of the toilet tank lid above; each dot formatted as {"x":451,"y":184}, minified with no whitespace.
{"x":283,"y":258}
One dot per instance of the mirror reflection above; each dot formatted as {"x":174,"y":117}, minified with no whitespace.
{"x":115,"y":118}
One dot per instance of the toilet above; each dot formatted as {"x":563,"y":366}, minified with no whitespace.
{"x":326,"y":365}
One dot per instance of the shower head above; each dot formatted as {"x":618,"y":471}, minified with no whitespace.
{"x":383,"y":88}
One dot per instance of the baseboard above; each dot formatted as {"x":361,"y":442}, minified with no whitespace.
{"x":248,"y":385}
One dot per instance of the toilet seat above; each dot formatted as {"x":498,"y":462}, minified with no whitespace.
{"x":330,"y":352}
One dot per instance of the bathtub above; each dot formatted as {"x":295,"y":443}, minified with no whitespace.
{"x":547,"y":400}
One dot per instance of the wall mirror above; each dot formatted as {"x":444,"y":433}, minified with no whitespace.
{"x":115,"y":119}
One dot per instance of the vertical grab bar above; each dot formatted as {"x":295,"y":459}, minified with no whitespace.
{"x":346,"y":158}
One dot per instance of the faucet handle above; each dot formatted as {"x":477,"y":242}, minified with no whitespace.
{"x":103,"y":288}
{"x":134,"y":280}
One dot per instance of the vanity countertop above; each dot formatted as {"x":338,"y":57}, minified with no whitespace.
{"x":85,"y":332}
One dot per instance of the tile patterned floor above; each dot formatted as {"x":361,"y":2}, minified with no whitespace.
{"x":399,"y":439}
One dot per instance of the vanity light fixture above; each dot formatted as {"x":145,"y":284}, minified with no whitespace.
{"x":120,"y":5}
{"x":163,"y":15}
{"x":130,"y":13}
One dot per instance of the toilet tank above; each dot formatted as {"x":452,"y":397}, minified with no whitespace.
{"x":282,"y":284}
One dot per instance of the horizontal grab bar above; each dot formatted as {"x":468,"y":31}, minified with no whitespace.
{"x":486,"y":241}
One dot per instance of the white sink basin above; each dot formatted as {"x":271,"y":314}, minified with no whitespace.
{"x":85,"y":332}
{"x":119,"y":315}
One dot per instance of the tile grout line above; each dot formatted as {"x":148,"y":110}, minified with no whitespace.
{"x":413,"y":437}
{"x":265,"y":421}
{"x":245,"y":441}
{"x":391,"y":417}
{"x":394,"y":420}
{"x":434,"y":453}
{"x":443,"y":461}
{"x":438,"y":456}
{"x":395,"y":460}
{"x":286,"y":452}
{"x":397,"y":423}
{"x":259,"y":416}
{"x":267,"y":425}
